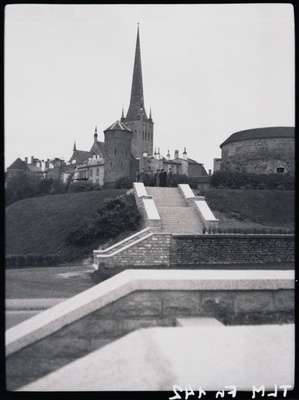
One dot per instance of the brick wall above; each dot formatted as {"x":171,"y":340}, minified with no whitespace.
{"x":151,"y":251}
{"x":231,"y":249}
{"x":184,"y":250}
{"x":139,"y":309}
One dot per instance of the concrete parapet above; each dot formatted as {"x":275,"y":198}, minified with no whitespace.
{"x":147,"y":207}
{"x":134,"y":299}
{"x":205,"y":214}
{"x":200,"y":205}
{"x":129,"y":281}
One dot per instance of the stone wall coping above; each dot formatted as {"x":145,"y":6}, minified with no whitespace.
{"x":151,"y":209}
{"x":211,"y":357}
{"x":84,"y":303}
{"x":234,"y":235}
{"x":186,"y":190}
{"x":120,"y":250}
{"x":122,"y":241}
{"x":140,"y":189}
{"x":205,"y":210}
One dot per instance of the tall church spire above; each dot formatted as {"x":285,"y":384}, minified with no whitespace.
{"x":136,"y":101}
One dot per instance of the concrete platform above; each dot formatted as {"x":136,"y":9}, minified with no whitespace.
{"x":75,"y":308}
{"x":155,"y":359}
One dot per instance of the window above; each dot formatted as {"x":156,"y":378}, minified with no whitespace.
{"x":115,"y":152}
{"x":98,"y":171}
{"x":280,"y":170}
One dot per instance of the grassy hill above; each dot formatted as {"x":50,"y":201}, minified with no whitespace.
{"x":252,"y":208}
{"x":40,"y":225}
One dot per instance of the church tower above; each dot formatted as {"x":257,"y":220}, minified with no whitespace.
{"x":136,"y":119}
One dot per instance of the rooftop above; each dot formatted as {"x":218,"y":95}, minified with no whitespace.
{"x":261,"y":133}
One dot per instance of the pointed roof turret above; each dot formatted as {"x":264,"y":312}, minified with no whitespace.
{"x":122,"y":118}
{"x":136,"y":101}
{"x":74,"y":148}
{"x":95,"y":134}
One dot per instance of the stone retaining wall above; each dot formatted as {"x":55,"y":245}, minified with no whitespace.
{"x":172,"y":250}
{"x":151,"y":251}
{"x":231,"y":249}
{"x":139,"y":309}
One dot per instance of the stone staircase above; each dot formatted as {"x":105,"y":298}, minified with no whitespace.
{"x":176,"y":216}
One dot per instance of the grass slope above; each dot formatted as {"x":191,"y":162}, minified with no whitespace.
{"x":252,"y":208}
{"x":40,"y":225}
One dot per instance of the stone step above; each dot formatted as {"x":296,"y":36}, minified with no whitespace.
{"x":163,"y":192}
{"x":176,"y":216}
{"x":170,"y":202}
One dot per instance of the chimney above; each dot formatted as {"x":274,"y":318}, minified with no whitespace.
{"x":168,"y":156}
{"x":185,"y":154}
{"x":32,"y":160}
{"x":176,"y":154}
{"x":26,"y":160}
{"x":210,"y":172}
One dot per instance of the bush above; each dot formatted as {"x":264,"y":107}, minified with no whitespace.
{"x":115,"y":216}
{"x":245,"y":180}
{"x":82,"y":186}
{"x":124,"y":183}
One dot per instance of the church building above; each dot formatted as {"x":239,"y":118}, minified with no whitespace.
{"x":128,"y":146}
{"x":129,"y":143}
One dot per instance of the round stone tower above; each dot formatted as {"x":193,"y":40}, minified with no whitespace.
{"x":117,"y":158}
{"x":260,"y":151}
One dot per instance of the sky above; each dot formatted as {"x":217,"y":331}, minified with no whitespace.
{"x":209,"y":70}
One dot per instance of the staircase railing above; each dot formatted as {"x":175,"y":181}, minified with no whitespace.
{"x":124,"y":244}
